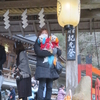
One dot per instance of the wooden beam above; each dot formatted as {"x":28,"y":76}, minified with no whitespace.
{"x":90,"y":1}
{"x":19,"y":33}
{"x":27,"y":4}
{"x":34,"y":25}
{"x":86,"y":13}
{"x":85,"y":4}
{"x":62,"y":31}
{"x":21,"y":29}
{"x":95,"y":13}
{"x":91,"y":26}
{"x":9,"y":30}
{"x":90,"y":6}
{"x":84,"y":26}
{"x":48,"y":27}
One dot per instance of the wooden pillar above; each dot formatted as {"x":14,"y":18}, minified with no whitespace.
{"x":72,"y":68}
{"x":8,"y":64}
{"x":89,"y":73}
{"x":79,"y":72}
{"x":95,"y":92}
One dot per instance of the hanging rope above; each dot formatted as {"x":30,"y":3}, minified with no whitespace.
{"x":30,"y":11}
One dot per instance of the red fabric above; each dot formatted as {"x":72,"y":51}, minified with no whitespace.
{"x":47,"y":45}
{"x":55,"y":44}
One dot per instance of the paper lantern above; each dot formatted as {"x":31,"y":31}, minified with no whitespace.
{"x":68,"y":12}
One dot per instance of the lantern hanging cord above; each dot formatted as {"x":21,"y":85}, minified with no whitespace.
{"x":96,"y":43}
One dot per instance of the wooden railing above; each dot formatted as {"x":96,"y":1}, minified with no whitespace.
{"x":97,"y":89}
{"x":88,"y":69}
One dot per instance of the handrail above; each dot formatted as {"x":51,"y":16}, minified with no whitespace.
{"x":95,"y":71}
{"x":97,"y":89}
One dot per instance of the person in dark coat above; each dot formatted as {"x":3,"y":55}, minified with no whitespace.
{"x":2,"y":56}
{"x":12,"y":94}
{"x":44,"y":73}
{"x":24,"y":78}
{"x":2,"y":60}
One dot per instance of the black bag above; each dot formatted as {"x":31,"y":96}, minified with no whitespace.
{"x":58,"y":67}
{"x":17,"y":75}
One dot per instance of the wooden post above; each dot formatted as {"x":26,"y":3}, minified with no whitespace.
{"x":72,"y":69}
{"x":89,"y":73}
{"x":8,"y":64}
{"x":95,"y":92}
{"x":79,"y":72}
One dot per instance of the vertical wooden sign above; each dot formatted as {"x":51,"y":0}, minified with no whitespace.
{"x":71,"y":63}
{"x":71,"y":45}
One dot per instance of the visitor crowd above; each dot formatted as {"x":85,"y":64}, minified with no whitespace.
{"x":47,"y":51}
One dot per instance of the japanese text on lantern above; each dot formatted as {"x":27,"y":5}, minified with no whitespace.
{"x":71,"y":45}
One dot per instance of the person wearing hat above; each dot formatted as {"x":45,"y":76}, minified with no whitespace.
{"x":2,"y":61}
{"x":12,"y":93}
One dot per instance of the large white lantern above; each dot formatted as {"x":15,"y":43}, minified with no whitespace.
{"x":68,"y":12}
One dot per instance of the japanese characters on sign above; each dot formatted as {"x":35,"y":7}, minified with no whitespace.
{"x":71,"y":45}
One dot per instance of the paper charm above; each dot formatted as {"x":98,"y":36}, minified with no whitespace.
{"x":6,"y":19}
{"x":24,"y":19}
{"x":41,"y":18}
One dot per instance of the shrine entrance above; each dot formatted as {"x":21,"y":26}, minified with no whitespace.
{"x":19,"y":20}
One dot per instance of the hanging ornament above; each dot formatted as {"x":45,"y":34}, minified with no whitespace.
{"x":6,"y":19}
{"x":24,"y":19}
{"x":68,"y":13}
{"x":41,"y":18}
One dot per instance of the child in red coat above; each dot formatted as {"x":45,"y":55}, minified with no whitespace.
{"x":48,"y":44}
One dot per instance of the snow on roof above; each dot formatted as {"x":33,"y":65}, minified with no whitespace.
{"x":31,"y":37}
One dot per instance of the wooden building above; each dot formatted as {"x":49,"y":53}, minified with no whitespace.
{"x":90,"y":21}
